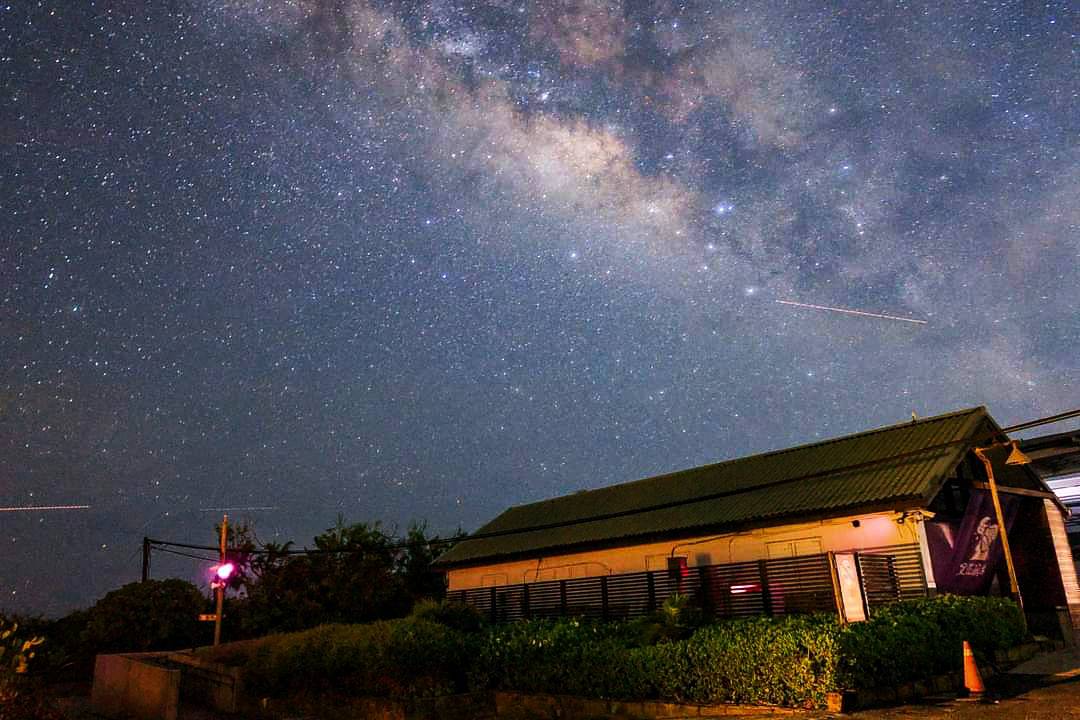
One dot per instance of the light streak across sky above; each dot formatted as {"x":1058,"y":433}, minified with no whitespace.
{"x":236,"y":509}
{"x":852,"y":312}
{"x":42,"y":508}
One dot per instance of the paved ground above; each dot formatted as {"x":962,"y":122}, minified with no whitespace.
{"x":1057,"y":701}
{"x":1047,"y":687}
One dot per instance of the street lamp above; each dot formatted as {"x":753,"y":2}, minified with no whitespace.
{"x":1015,"y":458}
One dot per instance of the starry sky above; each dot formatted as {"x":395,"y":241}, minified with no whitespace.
{"x":407,"y":261}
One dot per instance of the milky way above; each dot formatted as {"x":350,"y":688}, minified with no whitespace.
{"x":408,"y":262}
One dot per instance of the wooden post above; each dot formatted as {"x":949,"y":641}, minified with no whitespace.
{"x":838,"y":599}
{"x":221,"y":585}
{"x":1014,"y":585}
{"x":145,"y":559}
{"x":603,"y":597}
{"x":706,"y":591}
{"x":766,"y":596}
{"x":562,"y":598}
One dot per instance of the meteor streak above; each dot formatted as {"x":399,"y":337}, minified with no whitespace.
{"x":33,"y":508}
{"x":232,"y":509}
{"x":852,"y":312}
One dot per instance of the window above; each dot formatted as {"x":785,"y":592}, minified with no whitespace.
{"x":793,"y":548}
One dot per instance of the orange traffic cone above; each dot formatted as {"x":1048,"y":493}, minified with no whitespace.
{"x":972,"y":679}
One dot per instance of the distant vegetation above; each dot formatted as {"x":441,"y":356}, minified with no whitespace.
{"x":357,"y":574}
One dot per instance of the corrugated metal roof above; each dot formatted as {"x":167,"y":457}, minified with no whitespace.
{"x":906,"y":462}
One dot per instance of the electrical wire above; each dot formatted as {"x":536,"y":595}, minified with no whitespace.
{"x":398,"y":544}
{"x":1043,"y":421}
{"x":184,"y":554}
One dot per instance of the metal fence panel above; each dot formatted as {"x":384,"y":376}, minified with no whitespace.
{"x":780,"y":586}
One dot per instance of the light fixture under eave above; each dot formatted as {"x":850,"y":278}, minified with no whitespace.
{"x":1016,"y":457}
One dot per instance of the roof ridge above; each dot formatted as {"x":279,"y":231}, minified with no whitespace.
{"x":767,"y":453}
{"x":860,"y":470}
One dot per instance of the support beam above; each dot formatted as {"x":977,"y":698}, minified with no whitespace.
{"x":924,"y":552}
{"x":1065,"y":563}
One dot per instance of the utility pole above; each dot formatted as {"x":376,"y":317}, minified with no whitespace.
{"x":145,"y":558}
{"x":221,"y":585}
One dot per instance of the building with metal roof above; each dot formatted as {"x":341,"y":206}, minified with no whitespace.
{"x":902,"y":489}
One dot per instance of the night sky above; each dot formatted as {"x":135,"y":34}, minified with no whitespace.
{"x":403,"y":261}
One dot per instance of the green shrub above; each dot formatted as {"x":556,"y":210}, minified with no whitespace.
{"x":786,"y":661}
{"x":17,"y":648}
{"x":21,"y":696}
{"x":457,"y":615}
{"x":397,"y":658}
{"x":676,"y":619}
{"x":917,"y":639}
{"x":790,"y":661}
{"x":151,"y":615}
{"x":566,"y":655}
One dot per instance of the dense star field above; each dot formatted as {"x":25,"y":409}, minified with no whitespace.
{"x":406,"y":261}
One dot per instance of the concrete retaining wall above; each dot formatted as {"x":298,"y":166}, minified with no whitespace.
{"x":208,"y":683}
{"x":150,"y":686}
{"x":135,"y":686}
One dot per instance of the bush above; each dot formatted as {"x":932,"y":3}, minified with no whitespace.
{"x":21,"y":697}
{"x":676,"y":619}
{"x":456,"y":615}
{"x":566,"y":655}
{"x":396,"y":658}
{"x":151,"y":615}
{"x":917,"y":639}
{"x":792,"y":661}
{"x":17,"y":650}
{"x":786,"y":661}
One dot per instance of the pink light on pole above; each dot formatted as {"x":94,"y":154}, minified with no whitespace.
{"x":225,"y":571}
{"x":222,"y":573}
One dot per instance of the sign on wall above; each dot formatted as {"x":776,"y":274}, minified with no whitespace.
{"x":851,"y":599}
{"x":966,"y":553}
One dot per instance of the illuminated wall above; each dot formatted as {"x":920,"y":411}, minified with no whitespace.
{"x":873,"y":530}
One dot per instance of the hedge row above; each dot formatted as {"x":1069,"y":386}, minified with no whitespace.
{"x":789,"y":661}
{"x":792,"y":661}
{"x":411,"y":657}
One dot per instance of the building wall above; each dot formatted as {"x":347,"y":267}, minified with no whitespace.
{"x":874,"y":530}
{"x":1064,"y":560}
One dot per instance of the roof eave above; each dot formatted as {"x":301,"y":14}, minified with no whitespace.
{"x":897,"y":504}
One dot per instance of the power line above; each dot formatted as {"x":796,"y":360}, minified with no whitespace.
{"x":184,"y":554}
{"x":395,"y":544}
{"x":398,"y":544}
{"x":1043,"y":421}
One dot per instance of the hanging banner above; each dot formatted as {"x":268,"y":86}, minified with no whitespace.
{"x":966,"y":554}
